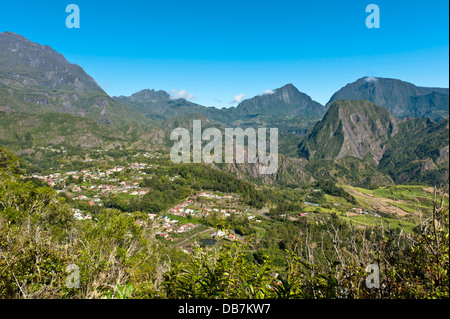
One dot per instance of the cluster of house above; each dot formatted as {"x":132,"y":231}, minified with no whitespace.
{"x":51,"y":179}
{"x":225,"y":212}
{"x":171,"y":226}
{"x":50,"y":148}
{"x":222,"y":234}
{"x":150,"y":155}
{"x":181,"y":210}
{"x":78,"y":215}
{"x":312,"y":204}
{"x":94,"y":201}
{"x":54,"y":178}
{"x":360,"y":211}
{"x":133,"y":166}
{"x":132,"y":188}
{"x":212,"y":196}
{"x":122,"y":187}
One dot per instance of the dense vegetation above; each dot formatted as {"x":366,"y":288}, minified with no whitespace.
{"x":324,"y":257}
{"x":403,"y":160}
{"x":330,"y":188}
{"x":167,"y":193}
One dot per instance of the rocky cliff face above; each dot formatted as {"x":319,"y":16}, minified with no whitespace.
{"x":37,"y":79}
{"x":443,"y":155}
{"x":356,"y":129}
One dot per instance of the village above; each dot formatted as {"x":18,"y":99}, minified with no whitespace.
{"x":180,"y":225}
{"x":77,"y":183}
{"x":169,"y":226}
{"x":89,"y":186}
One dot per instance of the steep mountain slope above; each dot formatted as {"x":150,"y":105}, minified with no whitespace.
{"x":356,"y":138}
{"x":358,"y":129}
{"x":291,"y":171}
{"x":40,"y":80}
{"x":418,"y":153}
{"x":401,"y":98}
{"x":434,"y":106}
{"x":33,"y":66}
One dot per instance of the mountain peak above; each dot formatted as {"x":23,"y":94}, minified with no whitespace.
{"x":38,"y":80}
{"x":12,"y":35}
{"x":286,"y":100}
{"x":31,"y":65}
{"x":148,"y":95}
{"x":289,"y":86}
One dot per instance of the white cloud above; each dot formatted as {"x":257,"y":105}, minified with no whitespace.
{"x":183,"y":94}
{"x":371,"y":79}
{"x":267,"y":92}
{"x":238,"y":98}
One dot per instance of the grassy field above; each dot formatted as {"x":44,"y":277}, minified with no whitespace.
{"x":411,"y":202}
{"x":404,"y":192}
{"x":370,"y":220}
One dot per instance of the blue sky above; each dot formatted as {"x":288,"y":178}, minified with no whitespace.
{"x":212,"y":51}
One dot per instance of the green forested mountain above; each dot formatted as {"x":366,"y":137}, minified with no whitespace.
{"x":356,"y":129}
{"x":419,"y":152}
{"x":410,"y":149}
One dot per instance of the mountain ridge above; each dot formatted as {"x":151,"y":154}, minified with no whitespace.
{"x":401,"y":98}
{"x":41,"y":80}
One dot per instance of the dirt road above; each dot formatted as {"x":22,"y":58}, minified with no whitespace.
{"x":192,"y":236}
{"x":380,"y":204}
